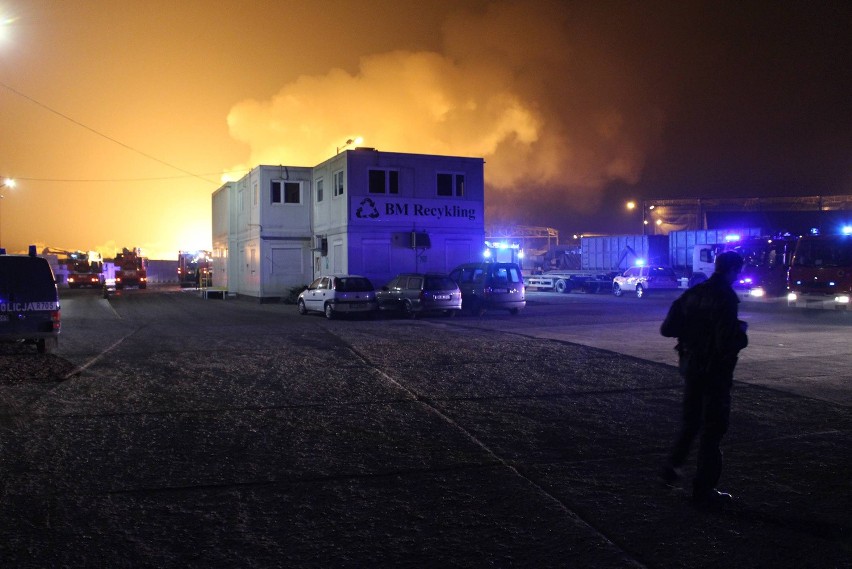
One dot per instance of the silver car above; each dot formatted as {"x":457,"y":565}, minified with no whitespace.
{"x":339,"y":294}
{"x":641,"y":280}
{"x":415,"y":293}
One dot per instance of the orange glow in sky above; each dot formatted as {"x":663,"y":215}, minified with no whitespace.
{"x":120,"y":119}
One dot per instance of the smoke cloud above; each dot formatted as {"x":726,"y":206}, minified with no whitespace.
{"x":549,"y":109}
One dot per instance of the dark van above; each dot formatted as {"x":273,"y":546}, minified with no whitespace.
{"x":29,"y":302}
{"x":486,"y":286}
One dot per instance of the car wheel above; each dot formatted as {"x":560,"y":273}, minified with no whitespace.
{"x":563,"y":286}
{"x":407,"y":310}
{"x":514,"y":311}
{"x":477,"y":308}
{"x":451,"y":313}
{"x":640,"y":291}
{"x":616,"y":290}
{"x":302,"y":309}
{"x":329,"y":312}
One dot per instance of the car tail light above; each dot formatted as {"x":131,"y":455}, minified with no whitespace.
{"x":54,"y":318}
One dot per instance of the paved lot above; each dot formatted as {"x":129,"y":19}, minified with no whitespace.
{"x":227,"y":433}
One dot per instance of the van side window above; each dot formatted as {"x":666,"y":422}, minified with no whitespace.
{"x":501,"y":275}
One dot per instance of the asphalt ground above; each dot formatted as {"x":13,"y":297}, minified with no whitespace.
{"x":172,"y":431}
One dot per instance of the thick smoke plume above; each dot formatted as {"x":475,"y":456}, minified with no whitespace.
{"x":549,"y":112}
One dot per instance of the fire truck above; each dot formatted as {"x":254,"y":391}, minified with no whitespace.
{"x":85,"y":269}
{"x":821,"y":273}
{"x":131,"y":269}
{"x":766,"y":261}
{"x":81,"y":269}
{"x":195,"y":269}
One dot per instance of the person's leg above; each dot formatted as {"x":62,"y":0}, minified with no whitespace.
{"x":690,"y":421}
{"x":717,"y":410}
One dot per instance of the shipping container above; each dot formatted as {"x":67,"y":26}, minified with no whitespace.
{"x":620,"y":252}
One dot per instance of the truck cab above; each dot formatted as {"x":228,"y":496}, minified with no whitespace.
{"x":820,"y":275}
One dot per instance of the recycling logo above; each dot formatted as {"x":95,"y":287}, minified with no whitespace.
{"x":367,"y":209}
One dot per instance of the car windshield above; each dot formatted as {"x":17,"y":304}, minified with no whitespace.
{"x":824,"y":253}
{"x":440,"y":283}
{"x":352,"y":284}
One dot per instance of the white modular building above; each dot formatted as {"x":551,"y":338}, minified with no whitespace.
{"x":360,"y":212}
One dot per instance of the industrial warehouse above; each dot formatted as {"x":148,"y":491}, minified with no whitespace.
{"x":360,"y":212}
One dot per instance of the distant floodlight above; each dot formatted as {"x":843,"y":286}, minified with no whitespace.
{"x":846,"y":230}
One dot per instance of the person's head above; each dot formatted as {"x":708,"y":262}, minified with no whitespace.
{"x":729,"y":264}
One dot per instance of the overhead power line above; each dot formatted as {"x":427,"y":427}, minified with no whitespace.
{"x":153,"y":179}
{"x":102,"y":135}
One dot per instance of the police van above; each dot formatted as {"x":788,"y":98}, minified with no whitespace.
{"x":29,"y":301}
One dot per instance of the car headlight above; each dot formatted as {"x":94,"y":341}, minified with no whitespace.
{"x":842,"y":299}
{"x":791,"y":296}
{"x":757,"y":292}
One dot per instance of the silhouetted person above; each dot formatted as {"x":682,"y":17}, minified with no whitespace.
{"x":710,"y":336}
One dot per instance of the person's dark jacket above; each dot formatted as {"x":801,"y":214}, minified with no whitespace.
{"x":710,"y":335}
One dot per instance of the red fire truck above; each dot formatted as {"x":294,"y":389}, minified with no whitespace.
{"x":131,"y":269}
{"x":195,"y":269}
{"x":821,"y":273}
{"x":85,"y":269}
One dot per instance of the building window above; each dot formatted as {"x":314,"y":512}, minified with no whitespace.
{"x":286,"y":192}
{"x":255,"y":194}
{"x":384,"y":181}
{"x":338,"y":183}
{"x":292,"y":192}
{"x":319,"y":190}
{"x":450,"y":185}
{"x":241,"y":200}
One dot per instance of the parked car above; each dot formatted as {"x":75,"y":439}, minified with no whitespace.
{"x":414,"y":293}
{"x":339,"y":294}
{"x":29,"y":302}
{"x":642,"y":280}
{"x":486,"y":286}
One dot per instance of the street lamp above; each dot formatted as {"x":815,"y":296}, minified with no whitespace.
{"x":349,"y":142}
{"x":631,"y":205}
{"x":7,"y":183}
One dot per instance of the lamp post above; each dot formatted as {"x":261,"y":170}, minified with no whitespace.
{"x":7,"y":183}
{"x":349,"y":142}
{"x":631,"y":205}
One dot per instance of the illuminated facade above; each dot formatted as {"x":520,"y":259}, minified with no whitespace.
{"x":360,"y":212}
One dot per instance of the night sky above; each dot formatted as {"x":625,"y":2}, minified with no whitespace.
{"x":119,"y":118}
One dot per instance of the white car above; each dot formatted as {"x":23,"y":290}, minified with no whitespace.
{"x":642,"y":280}
{"x":339,"y":294}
